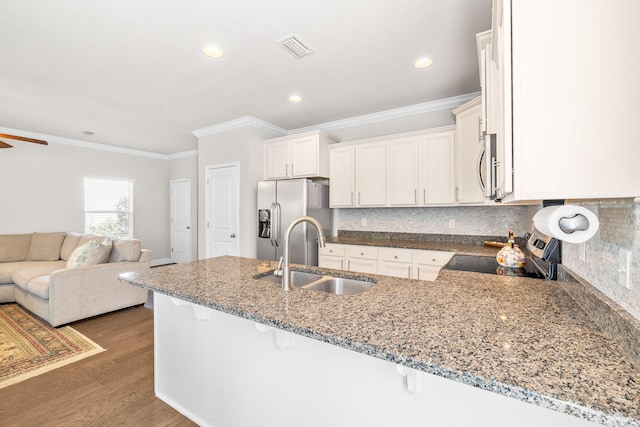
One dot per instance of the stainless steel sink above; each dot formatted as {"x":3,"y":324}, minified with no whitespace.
{"x":340,"y":286}
{"x":298,"y":278}
{"x":317,"y":282}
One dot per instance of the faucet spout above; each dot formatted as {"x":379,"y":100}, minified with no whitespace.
{"x":286,"y":271}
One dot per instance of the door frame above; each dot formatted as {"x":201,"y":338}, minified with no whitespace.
{"x":207,"y":206}
{"x":190,"y":212}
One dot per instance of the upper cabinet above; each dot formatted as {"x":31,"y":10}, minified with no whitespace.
{"x":297,"y":156}
{"x":410,"y":169}
{"x":567,"y":99}
{"x":469,"y":153}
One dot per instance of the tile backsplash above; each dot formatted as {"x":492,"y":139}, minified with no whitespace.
{"x":466,"y":220}
{"x":619,"y":229}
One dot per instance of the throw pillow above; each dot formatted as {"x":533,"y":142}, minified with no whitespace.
{"x":125,"y":250}
{"x":45,"y":247}
{"x":95,"y":251}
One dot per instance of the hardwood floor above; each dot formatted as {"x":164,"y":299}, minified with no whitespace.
{"x":113,"y":388}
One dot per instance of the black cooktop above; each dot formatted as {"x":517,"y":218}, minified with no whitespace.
{"x":489,"y":265}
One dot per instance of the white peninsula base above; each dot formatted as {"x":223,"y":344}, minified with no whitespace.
{"x":222,"y":370}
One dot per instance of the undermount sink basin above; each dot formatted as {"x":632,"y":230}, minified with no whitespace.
{"x":317,"y":282}
{"x":298,"y":278}
{"x":340,"y":286}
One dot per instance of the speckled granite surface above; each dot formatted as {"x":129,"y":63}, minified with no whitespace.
{"x":524,"y":338}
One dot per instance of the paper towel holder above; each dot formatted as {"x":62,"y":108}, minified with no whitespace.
{"x":578,"y":222}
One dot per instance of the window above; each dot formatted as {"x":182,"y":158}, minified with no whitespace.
{"x":108,"y":207}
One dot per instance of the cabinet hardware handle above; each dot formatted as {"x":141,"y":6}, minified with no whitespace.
{"x":349,"y":265}
{"x":341,"y":264}
{"x":418,"y":273}
{"x":433,"y":259}
{"x":424,"y":195}
{"x":361,"y":253}
{"x":358,"y":197}
{"x":409,"y":272}
{"x":395,"y":256}
{"x":330,"y":251}
{"x":415,"y":196}
{"x":291,"y":169}
{"x":352,"y":197}
{"x":286,"y":169}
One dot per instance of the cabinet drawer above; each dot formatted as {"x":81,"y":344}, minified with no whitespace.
{"x":437,"y":258}
{"x":396,"y":255}
{"x":335,"y":250}
{"x":366,"y":252}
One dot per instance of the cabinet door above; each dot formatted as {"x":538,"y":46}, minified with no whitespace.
{"x":371,"y":174}
{"x":468,"y":151}
{"x":329,"y":261}
{"x":437,"y":168}
{"x":402,"y":171}
{"x":342,"y":176}
{"x":304,"y":156}
{"x":361,"y":265}
{"x":427,"y":272}
{"x":276,"y":160}
{"x":395,"y":269}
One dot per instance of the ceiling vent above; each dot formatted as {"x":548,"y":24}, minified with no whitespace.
{"x":295,"y":46}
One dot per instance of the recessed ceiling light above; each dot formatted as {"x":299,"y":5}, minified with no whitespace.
{"x":213,"y":52}
{"x":295,"y":98}
{"x":88,"y":132}
{"x":423,"y":63}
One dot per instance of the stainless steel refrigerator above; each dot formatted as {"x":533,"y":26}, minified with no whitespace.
{"x":279,"y":203}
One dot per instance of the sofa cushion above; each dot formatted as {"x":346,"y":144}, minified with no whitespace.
{"x":14,"y":247}
{"x":70,"y":243}
{"x":95,"y":251}
{"x":39,"y":286}
{"x":45,"y":246}
{"x":125,"y":250}
{"x":8,"y":268}
{"x":104,"y":240}
{"x":22,"y":276}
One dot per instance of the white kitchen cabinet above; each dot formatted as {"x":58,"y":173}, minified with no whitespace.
{"x":332,"y":256}
{"x":357,"y":175}
{"x":469,"y":151}
{"x":362,"y":259}
{"x":371,"y":174}
{"x":572,"y":104}
{"x":396,"y":262}
{"x":297,"y":156}
{"x":429,"y":263}
{"x":403,"y":170}
{"x":437,"y":166}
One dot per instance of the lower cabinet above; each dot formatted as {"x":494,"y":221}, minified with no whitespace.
{"x":395,"y":262}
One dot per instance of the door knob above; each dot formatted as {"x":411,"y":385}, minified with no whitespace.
{"x":188,"y":228}
{"x":233,"y":236}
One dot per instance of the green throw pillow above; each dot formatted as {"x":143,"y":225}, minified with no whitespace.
{"x":83,"y":255}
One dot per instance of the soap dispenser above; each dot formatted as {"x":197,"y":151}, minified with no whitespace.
{"x":511,"y":255}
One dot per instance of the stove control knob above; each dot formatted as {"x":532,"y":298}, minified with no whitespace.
{"x":540,"y":244}
{"x":527,"y":236}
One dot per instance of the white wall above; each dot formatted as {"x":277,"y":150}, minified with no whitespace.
{"x":42,"y":189}
{"x":187,"y":168}
{"x":242,"y":145}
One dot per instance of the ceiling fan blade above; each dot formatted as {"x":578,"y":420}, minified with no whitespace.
{"x":22,"y":138}
{"x":5,"y":145}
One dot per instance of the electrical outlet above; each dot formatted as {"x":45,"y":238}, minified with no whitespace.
{"x":582,"y":252}
{"x":624,"y":268}
{"x":452,"y":223}
{"x":364,"y":222}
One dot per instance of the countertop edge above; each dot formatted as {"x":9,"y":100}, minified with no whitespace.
{"x":518,"y":393}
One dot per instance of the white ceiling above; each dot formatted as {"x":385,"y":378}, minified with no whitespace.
{"x":133,"y":72}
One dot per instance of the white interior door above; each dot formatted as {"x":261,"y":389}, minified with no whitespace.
{"x":222,"y":210}
{"x":181,"y":233}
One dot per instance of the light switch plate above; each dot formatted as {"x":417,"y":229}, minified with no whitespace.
{"x":624,"y":268}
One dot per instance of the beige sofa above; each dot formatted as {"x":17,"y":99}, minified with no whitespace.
{"x":55,"y":277}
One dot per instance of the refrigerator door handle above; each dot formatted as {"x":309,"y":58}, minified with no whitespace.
{"x":277,"y":224}
{"x":273,"y":222}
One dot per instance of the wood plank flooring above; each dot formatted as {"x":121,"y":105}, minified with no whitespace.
{"x":113,"y":388}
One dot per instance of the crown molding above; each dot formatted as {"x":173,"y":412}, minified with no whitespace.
{"x":396,"y":113}
{"x":183,"y":154}
{"x":239,"y":123}
{"x":84,"y":144}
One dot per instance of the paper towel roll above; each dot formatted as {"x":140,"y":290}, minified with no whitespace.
{"x":547,"y":220}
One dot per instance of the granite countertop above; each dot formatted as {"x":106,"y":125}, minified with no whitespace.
{"x":524,"y":338}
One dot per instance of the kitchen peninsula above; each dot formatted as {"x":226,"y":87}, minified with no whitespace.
{"x":467,"y":349}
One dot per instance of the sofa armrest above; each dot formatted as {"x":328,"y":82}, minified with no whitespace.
{"x":78,"y":293}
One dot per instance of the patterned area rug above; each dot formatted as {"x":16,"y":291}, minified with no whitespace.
{"x":29,"y":346}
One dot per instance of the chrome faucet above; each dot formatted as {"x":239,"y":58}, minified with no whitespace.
{"x":285,"y":272}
